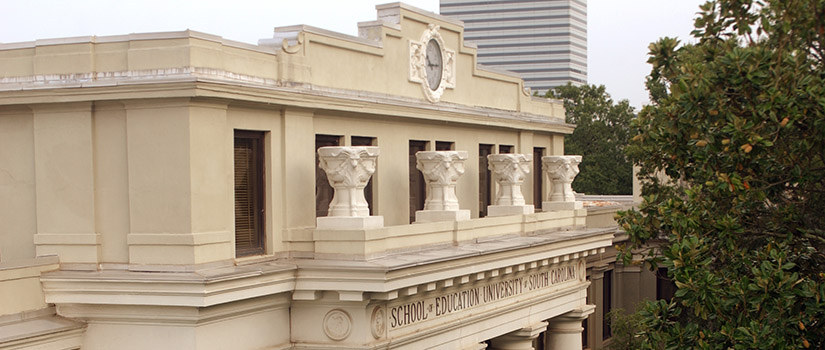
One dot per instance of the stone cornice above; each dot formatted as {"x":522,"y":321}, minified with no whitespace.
{"x":398,"y":275}
{"x":206,"y":82}
{"x":420,"y":271}
{"x":197,"y":289}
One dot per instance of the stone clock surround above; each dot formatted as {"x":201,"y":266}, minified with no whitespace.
{"x":419,"y":61}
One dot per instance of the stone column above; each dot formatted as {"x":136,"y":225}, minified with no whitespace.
{"x":521,"y":339}
{"x":565,"y":331}
{"x":348,"y":171}
{"x":441,"y":171}
{"x":561,"y":170}
{"x":509,"y":171}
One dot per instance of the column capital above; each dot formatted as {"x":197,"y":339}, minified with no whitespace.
{"x":521,"y":339}
{"x":564,"y":331}
{"x":577,"y":315}
{"x":348,"y":170}
{"x":509,"y":171}
{"x":441,"y":170}
{"x":561,"y":170}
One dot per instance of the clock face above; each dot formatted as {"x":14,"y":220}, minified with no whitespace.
{"x":434,"y":64}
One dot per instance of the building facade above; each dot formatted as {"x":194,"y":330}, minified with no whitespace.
{"x":544,"y":41}
{"x":315,"y":191}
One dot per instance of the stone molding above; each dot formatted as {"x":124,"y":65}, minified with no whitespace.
{"x":371,"y":243}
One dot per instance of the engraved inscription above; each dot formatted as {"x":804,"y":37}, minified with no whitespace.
{"x":423,"y":310}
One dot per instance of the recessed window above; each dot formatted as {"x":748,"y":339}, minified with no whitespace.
{"x":665,"y":287}
{"x":418,"y":188}
{"x":249,"y":192}
{"x":444,"y":146}
{"x":538,"y":177}
{"x":607,"y":303}
{"x":485,"y":179}
{"x":505,"y":149}
{"x":323,"y":191}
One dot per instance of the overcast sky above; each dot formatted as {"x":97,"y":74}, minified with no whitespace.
{"x":618,"y":31}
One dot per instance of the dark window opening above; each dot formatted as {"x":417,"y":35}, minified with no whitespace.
{"x":418,"y":188}
{"x":584,"y":322}
{"x":323,"y":191}
{"x":505,"y":149}
{"x":665,"y":287}
{"x":444,"y":146}
{"x":607,"y":303}
{"x":366,"y":141}
{"x":538,"y":177}
{"x":249,"y":192}
{"x":484,"y":179}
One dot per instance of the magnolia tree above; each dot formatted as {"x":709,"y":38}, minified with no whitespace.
{"x":732,"y":162}
{"x":601,"y":135}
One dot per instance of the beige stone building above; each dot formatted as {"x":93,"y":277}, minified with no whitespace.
{"x":315,"y":191}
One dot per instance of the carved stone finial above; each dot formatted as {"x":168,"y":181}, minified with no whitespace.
{"x":441,"y":170}
{"x":348,"y":170}
{"x":509,"y":171}
{"x":561,"y":170}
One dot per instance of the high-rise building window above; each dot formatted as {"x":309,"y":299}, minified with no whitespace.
{"x":484,"y":179}
{"x":418,"y":188}
{"x":323,"y":191}
{"x":249,"y":192}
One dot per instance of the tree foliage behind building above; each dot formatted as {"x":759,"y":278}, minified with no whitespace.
{"x":737,"y":125}
{"x":601,"y":135}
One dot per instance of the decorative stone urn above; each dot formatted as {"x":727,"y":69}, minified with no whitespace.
{"x":441,"y":170}
{"x":509,"y":171}
{"x":561,"y":170}
{"x":348,"y":170}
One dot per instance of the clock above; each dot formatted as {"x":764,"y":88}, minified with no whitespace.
{"x":434,"y":66}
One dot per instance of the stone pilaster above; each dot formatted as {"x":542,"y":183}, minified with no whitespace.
{"x":509,"y":171}
{"x":521,"y":339}
{"x":561,"y":170}
{"x":441,"y":170}
{"x":348,"y":170}
{"x":64,"y":184}
{"x":565,"y":331}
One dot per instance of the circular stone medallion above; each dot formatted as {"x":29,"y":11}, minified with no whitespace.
{"x":378,"y":324}
{"x":337,"y":324}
